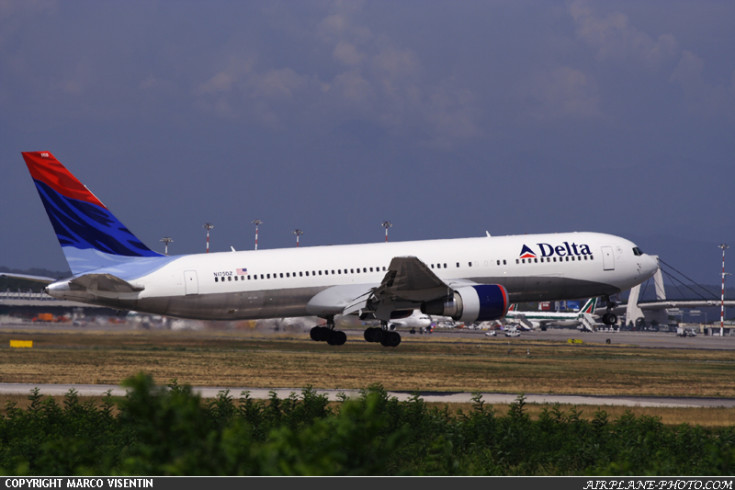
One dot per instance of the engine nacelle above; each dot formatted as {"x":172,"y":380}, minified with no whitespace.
{"x":471,"y":304}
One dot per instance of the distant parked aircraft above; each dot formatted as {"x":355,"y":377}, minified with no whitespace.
{"x":532,"y":320}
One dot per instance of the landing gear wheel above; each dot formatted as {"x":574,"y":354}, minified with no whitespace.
{"x":373,"y":334}
{"x":327,"y":333}
{"x":609,"y":319}
{"x":336,"y":337}
{"x":391,"y":339}
{"x":319,"y":334}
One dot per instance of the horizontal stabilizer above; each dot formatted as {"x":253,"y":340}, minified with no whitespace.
{"x":28,"y":277}
{"x":103,"y":282}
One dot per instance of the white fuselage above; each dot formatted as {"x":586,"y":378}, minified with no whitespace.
{"x":282,"y":282}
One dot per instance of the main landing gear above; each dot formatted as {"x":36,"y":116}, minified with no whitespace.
{"x":609,"y":318}
{"x":382,"y":335}
{"x":328,"y":334}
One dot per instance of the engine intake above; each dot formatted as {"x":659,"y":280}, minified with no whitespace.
{"x":471,"y":304}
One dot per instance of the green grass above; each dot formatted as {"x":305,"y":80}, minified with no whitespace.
{"x":437,"y":363}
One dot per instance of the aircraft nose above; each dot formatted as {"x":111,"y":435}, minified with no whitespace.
{"x":650,"y":265}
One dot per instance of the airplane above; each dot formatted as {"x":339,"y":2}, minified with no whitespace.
{"x":416,"y":320}
{"x":468,"y":279}
{"x":531,"y":320}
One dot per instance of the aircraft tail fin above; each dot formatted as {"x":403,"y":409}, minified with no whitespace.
{"x":90,"y":236}
{"x":589,"y":306}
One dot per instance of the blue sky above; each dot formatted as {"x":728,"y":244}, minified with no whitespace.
{"x":448,"y":118}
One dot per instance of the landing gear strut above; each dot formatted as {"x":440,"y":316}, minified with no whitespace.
{"x":328,"y":334}
{"x":382,"y":335}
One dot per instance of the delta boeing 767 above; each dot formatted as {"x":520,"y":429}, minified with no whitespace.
{"x":468,"y":279}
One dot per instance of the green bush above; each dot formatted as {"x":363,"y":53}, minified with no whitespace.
{"x":170,"y":430}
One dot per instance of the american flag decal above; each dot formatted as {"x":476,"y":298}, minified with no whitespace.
{"x":242,"y":272}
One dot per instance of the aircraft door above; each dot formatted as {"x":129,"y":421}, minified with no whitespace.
{"x":608,"y":260}
{"x":191,"y":282}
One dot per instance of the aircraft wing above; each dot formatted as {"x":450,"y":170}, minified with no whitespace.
{"x":407,"y":284}
{"x":408,"y":279}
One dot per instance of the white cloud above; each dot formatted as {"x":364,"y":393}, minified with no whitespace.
{"x":381,"y":80}
{"x":702,"y":98}
{"x":347,"y":53}
{"x":561,"y":92}
{"x":615,"y":38}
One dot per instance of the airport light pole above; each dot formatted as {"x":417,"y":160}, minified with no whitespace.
{"x":166,"y":240}
{"x":298,"y":233}
{"x":386,"y":225}
{"x":724,"y":247}
{"x":257,"y":223}
{"x":208,"y":227}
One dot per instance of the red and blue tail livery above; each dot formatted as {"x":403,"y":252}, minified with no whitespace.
{"x":90,"y":235}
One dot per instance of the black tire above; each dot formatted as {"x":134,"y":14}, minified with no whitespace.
{"x":374,"y":334}
{"x":609,"y":318}
{"x":390,"y":339}
{"x":337,"y":337}
{"x":319,"y":334}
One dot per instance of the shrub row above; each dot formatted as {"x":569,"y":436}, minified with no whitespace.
{"x":170,"y":430}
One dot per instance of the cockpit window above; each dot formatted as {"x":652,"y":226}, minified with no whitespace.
{"x":637,"y":251}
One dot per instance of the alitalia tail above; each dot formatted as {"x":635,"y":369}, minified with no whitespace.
{"x":468,"y":279}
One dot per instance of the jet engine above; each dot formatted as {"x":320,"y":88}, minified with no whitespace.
{"x":471,"y":304}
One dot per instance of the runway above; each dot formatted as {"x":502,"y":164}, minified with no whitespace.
{"x":428,"y":397}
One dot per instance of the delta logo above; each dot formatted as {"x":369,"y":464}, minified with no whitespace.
{"x":547,"y":250}
{"x":527,"y":253}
